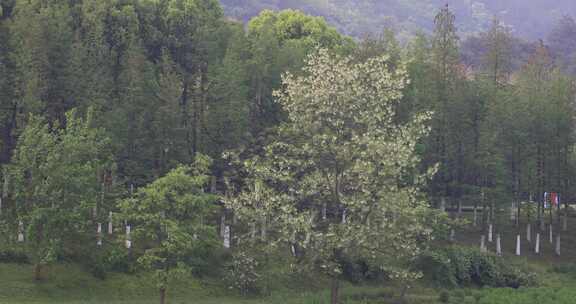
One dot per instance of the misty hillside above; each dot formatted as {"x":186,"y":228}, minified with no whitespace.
{"x":530,"y":19}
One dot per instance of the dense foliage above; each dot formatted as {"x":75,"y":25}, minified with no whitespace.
{"x":58,"y":179}
{"x":326,"y":151}
{"x":461,"y":266}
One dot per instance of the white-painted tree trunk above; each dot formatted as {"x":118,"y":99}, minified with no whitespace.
{"x":20,"y":231}
{"x":557,"y":245}
{"x":537,"y":247}
{"x":483,"y":243}
{"x":452,"y":235}
{"x":99,"y":236}
{"x":529,"y":233}
{"x":128,"y":237}
{"x":344,"y":216}
{"x":110,"y":225}
{"x":498,"y":245}
{"x":490,"y":232}
{"x":227,"y":234}
{"x":475,"y":221}
{"x":443,"y":204}
{"x":222,"y":224}
{"x":324,"y":211}
{"x":264,"y":228}
{"x":518,"y":245}
{"x":253,"y":231}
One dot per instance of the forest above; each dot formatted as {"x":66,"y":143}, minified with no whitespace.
{"x":165,"y":150}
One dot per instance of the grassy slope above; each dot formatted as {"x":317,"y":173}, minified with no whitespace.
{"x":69,"y":284}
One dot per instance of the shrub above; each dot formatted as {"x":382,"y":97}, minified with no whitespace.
{"x":207,"y":259}
{"x":13,"y":255}
{"x":107,"y":259}
{"x":242,"y":274}
{"x":357,"y":271}
{"x":444,"y":297}
{"x":462,"y":266}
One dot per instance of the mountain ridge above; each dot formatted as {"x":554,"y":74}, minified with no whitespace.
{"x":357,"y":18}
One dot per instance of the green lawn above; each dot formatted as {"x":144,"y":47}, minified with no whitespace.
{"x":71,"y":285}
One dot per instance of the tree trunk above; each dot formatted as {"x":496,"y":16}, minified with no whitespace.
{"x":540,"y":177}
{"x":335,"y":291}
{"x":163,"y":295}
{"x":38,"y":272}
{"x":475,"y":217}
{"x":518,"y":206}
{"x":403,"y":293}
{"x":7,"y":138}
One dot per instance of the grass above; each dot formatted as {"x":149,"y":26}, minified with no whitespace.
{"x":69,"y":284}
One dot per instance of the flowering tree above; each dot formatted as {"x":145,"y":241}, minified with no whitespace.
{"x":341,"y":179}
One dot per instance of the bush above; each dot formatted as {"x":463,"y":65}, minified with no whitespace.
{"x":207,"y":259}
{"x":358,"y":271}
{"x":242,"y":274}
{"x":444,"y":297}
{"x":463,"y":266}
{"x":107,"y":259}
{"x":13,"y":255}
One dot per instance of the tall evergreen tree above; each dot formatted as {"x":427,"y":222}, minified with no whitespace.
{"x":445,"y":60}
